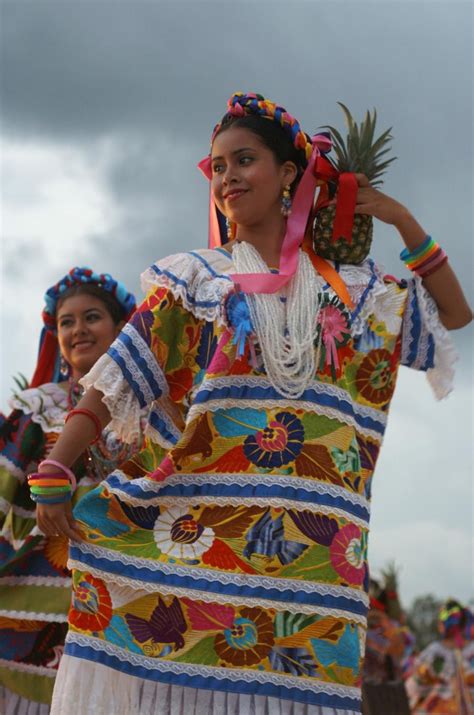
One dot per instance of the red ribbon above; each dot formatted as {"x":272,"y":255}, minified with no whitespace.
{"x":345,"y":201}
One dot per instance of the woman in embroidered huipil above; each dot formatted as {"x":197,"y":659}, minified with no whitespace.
{"x":232,"y":576}
{"x":84,"y":313}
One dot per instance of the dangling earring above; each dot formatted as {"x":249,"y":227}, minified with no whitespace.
{"x":286,"y":201}
{"x":230,"y":227}
{"x":63,"y":368}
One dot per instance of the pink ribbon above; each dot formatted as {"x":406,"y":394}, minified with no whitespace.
{"x":295,"y":228}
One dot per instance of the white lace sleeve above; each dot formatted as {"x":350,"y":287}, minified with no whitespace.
{"x":426,"y":344}
{"x":119,"y":397}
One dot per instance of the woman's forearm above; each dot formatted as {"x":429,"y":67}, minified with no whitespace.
{"x":80,"y":430}
{"x":443,"y":285}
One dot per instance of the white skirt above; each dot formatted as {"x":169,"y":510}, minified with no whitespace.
{"x":92,"y":689}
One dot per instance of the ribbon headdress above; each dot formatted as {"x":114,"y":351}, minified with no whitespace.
{"x":47,"y":366}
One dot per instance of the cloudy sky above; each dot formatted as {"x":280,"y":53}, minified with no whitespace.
{"x":108,"y":106}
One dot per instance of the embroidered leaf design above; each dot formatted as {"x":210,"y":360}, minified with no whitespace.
{"x":316,"y":426}
{"x":286,"y":623}
{"x":221,"y":556}
{"x":202,"y":653}
{"x":118,"y":633}
{"x":314,"y":460}
{"x":229,"y":521}
{"x":237,"y":422}
{"x":315,"y":564}
{"x":319,"y":527}
{"x":326,"y":629}
{"x":368,"y":451}
{"x":232,"y":461}
{"x":296,"y":661}
{"x":208,"y":616}
{"x":195,"y":441}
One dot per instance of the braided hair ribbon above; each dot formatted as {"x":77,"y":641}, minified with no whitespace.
{"x":239,"y":105}
{"x":47,"y":366}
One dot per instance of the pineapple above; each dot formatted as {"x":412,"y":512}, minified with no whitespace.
{"x":359,"y":153}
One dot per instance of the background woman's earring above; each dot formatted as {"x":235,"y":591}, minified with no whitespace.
{"x":63,"y":368}
{"x":286,"y":201}
{"x":230,"y":229}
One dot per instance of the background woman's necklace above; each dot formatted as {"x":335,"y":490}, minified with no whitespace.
{"x":285,"y":323}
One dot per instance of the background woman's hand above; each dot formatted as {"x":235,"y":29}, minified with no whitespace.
{"x":373,"y":202}
{"x":57,"y":520}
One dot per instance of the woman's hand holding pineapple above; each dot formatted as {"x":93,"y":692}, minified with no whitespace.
{"x":372,"y":202}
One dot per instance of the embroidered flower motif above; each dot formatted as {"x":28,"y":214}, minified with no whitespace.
{"x":91,"y":608}
{"x":278,"y":443}
{"x":347,"y":552}
{"x":333,"y":320}
{"x":57,"y":551}
{"x":388,"y":308}
{"x":248,"y":640}
{"x":375,"y":378}
{"x":179,"y":535}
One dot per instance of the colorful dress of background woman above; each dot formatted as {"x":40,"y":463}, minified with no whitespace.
{"x":84,"y":313}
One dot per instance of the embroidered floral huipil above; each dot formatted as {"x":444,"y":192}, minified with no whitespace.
{"x":231,"y":556}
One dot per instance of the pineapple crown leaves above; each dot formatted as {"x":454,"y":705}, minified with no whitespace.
{"x":359,"y":152}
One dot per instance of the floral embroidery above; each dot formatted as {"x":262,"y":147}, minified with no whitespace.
{"x":248,"y":640}
{"x":179,"y":535}
{"x":347,"y":553}
{"x":375,"y":378}
{"x":91,"y":608}
{"x":278,"y":443}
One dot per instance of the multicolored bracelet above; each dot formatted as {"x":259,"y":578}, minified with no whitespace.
{"x":52,"y":487}
{"x":426,"y":259}
{"x":92,"y":416}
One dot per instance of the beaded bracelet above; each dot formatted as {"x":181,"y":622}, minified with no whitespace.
{"x":92,"y":416}
{"x":426,"y":259}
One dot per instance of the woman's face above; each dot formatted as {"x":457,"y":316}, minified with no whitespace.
{"x":247,"y":181}
{"x":85,"y":331}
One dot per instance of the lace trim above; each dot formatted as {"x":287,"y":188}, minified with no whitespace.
{"x":243,"y":480}
{"x":249,"y":676}
{"x":34,"y":616}
{"x":180,"y":592}
{"x":365,"y":284}
{"x":441,"y":376}
{"x":119,"y":398}
{"x":320,"y":388}
{"x":226,"y":579}
{"x":28,"y":668}
{"x":46,"y":404}
{"x":56,"y":581}
{"x":238,"y":501}
{"x":12,"y":468}
{"x":197,"y":279}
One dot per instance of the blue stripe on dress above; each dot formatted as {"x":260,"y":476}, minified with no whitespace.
{"x":211,"y":270}
{"x":113,"y":353}
{"x":164,"y":426}
{"x":154,"y":573}
{"x":246,"y":392}
{"x":208,"y":682}
{"x":190,"y":298}
{"x":248,"y":491}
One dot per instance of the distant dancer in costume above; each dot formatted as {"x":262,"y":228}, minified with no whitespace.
{"x":233,"y":577}
{"x":84,"y":313}
{"x":442,"y":680}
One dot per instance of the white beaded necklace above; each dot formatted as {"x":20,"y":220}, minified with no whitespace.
{"x":286,"y":330}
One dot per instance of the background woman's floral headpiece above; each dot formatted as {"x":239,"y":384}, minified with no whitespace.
{"x":47,"y":366}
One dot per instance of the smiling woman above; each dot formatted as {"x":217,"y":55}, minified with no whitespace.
{"x":84,"y":313}
{"x":231,"y":576}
